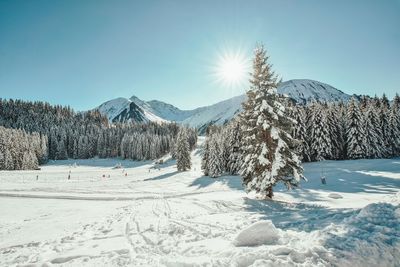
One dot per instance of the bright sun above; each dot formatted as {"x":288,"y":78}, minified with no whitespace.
{"x":232,"y":69}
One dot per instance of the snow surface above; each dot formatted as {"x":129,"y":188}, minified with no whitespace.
{"x":156,"y":216}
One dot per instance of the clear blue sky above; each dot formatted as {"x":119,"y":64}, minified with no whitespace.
{"x":84,"y":52}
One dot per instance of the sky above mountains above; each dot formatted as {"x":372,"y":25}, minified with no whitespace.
{"x":82,"y":53}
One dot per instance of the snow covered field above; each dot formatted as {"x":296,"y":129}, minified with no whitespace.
{"x":144,"y":216}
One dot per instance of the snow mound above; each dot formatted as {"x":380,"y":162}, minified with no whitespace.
{"x":259,"y":233}
{"x":335,"y":195}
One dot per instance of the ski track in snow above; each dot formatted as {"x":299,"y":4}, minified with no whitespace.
{"x":165,"y":218}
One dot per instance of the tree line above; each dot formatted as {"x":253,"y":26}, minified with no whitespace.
{"x":20,"y":150}
{"x":368,"y":128}
{"x":67,"y":134}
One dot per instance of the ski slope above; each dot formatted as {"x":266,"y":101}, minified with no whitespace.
{"x":152,"y":215}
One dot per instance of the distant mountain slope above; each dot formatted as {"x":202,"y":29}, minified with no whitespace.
{"x":304,"y":91}
{"x":135,"y":109}
{"x":218,"y":113}
{"x":162,"y":110}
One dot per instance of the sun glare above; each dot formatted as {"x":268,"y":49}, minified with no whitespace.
{"x":232,"y":69}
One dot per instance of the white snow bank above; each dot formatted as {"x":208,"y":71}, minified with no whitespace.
{"x":259,"y":233}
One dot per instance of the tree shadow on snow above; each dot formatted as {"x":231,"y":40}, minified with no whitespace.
{"x":299,"y":193}
{"x":163,"y":176}
{"x":380,"y":176}
{"x":296,"y":216}
{"x":234,"y":182}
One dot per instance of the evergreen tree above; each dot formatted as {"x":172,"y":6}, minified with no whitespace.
{"x":61,"y":150}
{"x":355,"y":132}
{"x":43,"y":154}
{"x":300,"y":134}
{"x":2,"y":160}
{"x":268,"y":146}
{"x":384,"y":125}
{"x":8,"y":161}
{"x":215,"y":161}
{"x":373,"y":136}
{"x":385,"y":102}
{"x":394,"y":129}
{"x":182,"y":151}
{"x":342,"y":113}
{"x":224,"y":139}
{"x":334,"y":129}
{"x":205,"y":157}
{"x":234,"y":144}
{"x":321,"y":146}
{"x":396,"y":101}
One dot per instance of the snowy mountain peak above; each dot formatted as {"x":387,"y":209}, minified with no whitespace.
{"x":113,"y":107}
{"x":137,"y":100}
{"x":123,"y":110}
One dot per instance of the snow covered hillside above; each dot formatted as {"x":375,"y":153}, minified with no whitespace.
{"x":122,"y":109}
{"x":151,"y":215}
{"x":304,"y":91}
{"x":218,"y":113}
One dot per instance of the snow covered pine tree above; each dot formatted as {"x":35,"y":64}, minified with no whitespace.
{"x":394,"y":134}
{"x":182,"y":151}
{"x":215,"y":158}
{"x":268,"y":147}
{"x":321,"y":147}
{"x":205,"y":157}
{"x":355,"y":132}
{"x":234,"y":141}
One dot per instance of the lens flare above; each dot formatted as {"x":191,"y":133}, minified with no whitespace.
{"x":232,"y":69}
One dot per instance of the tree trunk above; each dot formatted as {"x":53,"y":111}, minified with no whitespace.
{"x":270,"y":194}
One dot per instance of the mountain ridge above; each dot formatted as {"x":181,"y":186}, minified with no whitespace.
{"x":301,"y":91}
